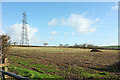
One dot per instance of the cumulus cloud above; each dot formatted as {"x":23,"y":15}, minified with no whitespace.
{"x":79,"y":22}
{"x":115,"y":7}
{"x":15,"y":32}
{"x":54,"y":32}
{"x":53,"y":22}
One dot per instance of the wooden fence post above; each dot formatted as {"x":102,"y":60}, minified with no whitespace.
{"x":4,"y":50}
{"x":6,"y":62}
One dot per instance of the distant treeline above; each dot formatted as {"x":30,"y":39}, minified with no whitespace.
{"x":90,"y":46}
{"x":83,"y":46}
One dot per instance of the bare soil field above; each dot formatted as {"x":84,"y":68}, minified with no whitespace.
{"x":63,"y":63}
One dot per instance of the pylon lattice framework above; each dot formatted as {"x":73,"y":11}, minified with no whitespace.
{"x":24,"y":36}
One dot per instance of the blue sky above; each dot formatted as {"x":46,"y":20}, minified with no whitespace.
{"x":63,"y":22}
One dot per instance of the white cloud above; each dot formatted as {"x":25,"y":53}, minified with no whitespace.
{"x":79,"y":22}
{"x":15,"y":32}
{"x":31,"y":32}
{"x":54,"y":32}
{"x":53,"y":22}
{"x":115,"y":7}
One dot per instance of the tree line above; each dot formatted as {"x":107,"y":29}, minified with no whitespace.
{"x":84,"y":46}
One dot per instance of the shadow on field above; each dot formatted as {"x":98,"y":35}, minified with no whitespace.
{"x":112,"y":68}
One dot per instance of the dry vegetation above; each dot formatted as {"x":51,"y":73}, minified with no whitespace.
{"x":66,"y":63}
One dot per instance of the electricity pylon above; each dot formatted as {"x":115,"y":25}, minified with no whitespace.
{"x":24,"y":36}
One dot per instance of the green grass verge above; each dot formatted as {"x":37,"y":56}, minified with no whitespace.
{"x":32,"y":74}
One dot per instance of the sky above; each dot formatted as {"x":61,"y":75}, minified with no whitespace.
{"x":62,"y":22}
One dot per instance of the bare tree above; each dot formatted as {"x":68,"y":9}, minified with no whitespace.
{"x":61,"y":45}
{"x":83,"y":45}
{"x":91,"y":46}
{"x":76,"y":46}
{"x":14,"y":43}
{"x":45,"y":44}
{"x":66,"y":45}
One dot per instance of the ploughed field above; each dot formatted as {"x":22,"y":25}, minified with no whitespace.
{"x":63,"y":63}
